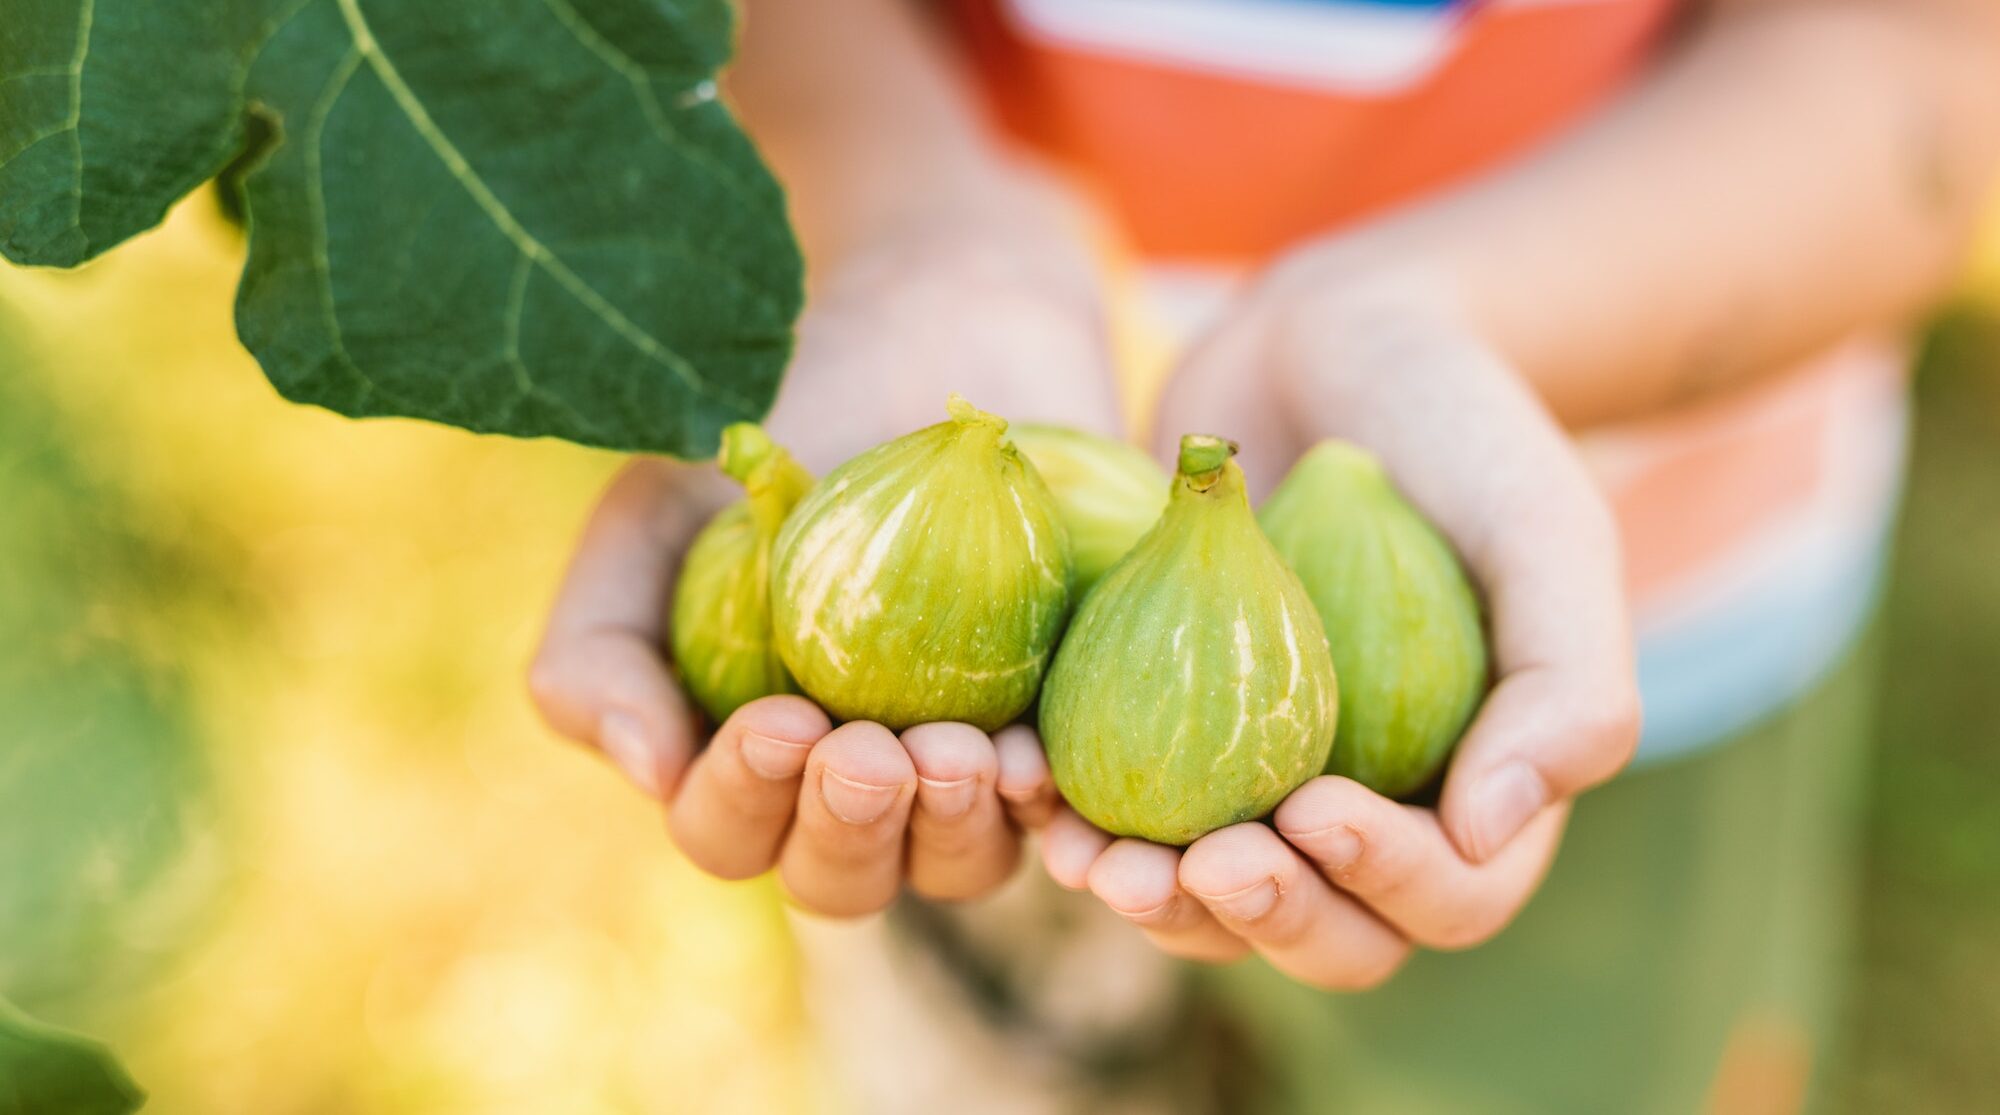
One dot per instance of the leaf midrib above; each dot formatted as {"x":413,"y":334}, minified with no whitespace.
{"x":496,"y":210}
{"x":85,"y":23}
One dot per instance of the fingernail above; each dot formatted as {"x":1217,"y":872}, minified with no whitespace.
{"x":1248,"y":904}
{"x":951,"y":798}
{"x":624,"y":742}
{"x":1334,"y":849}
{"x":1151,"y":916}
{"x":1503,"y":803}
{"x":857,"y":803}
{"x":775,"y":759}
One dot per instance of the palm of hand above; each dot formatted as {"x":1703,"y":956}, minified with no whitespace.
{"x":1342,"y":884}
{"x":847,"y":815}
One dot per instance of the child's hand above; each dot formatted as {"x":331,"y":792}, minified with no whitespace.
{"x":846,"y":815}
{"x":1344,"y":883}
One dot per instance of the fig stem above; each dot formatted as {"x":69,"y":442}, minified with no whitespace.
{"x":745,"y":445}
{"x":1203,"y":457}
{"x":965,"y":414}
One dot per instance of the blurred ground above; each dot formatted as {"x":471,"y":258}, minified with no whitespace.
{"x":393,"y":892}
{"x":1927,"y":1012}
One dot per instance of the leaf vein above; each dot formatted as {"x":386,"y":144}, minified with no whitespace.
{"x":39,"y":137}
{"x":85,"y":23}
{"x":35,"y":72}
{"x":517,"y":294}
{"x":315,"y":132}
{"x":642,"y":89}
{"x":482,"y":194}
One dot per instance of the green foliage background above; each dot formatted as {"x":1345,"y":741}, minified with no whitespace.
{"x":276,"y":822}
{"x":101,"y":776}
{"x":1925,"y":1019}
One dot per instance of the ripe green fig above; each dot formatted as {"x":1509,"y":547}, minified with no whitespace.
{"x":720,"y":625}
{"x":924,"y":580}
{"x":1194,"y":688}
{"x":1400,"y":615}
{"x":1108,"y":493}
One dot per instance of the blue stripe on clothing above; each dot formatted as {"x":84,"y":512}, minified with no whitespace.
{"x":1706,"y":681}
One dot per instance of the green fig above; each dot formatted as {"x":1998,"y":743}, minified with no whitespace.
{"x":721,"y":619}
{"x":1400,"y":616}
{"x":1194,"y":688}
{"x":1107,"y":492}
{"x":924,"y":580}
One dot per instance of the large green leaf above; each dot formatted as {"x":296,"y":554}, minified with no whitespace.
{"x":45,"y":1071}
{"x":530,"y":217}
{"x":111,"y":110}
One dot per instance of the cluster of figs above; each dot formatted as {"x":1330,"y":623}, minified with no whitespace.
{"x":1188,"y":661}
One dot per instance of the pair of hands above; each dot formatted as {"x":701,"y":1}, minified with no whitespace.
{"x":1343,"y":883}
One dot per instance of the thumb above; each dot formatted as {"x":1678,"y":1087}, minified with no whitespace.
{"x":1544,"y":735}
{"x":599,"y":676}
{"x":610,"y":689}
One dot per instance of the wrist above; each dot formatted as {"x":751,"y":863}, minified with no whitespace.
{"x":1002,"y":306}
{"x":1014,"y":225}
{"x":990,"y":204}
{"x":1343,"y":321}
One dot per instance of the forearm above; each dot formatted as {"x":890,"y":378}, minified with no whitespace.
{"x":857,"y":105}
{"x":1795,"y":172}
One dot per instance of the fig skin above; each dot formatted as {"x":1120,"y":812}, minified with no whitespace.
{"x":1108,"y":493}
{"x":720,"y":623}
{"x":924,"y":580}
{"x":1399,"y":612}
{"x":1194,"y":688}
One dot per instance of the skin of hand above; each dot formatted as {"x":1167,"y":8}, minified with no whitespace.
{"x":848,"y":815}
{"x":1605,"y":277}
{"x":1342,"y":883}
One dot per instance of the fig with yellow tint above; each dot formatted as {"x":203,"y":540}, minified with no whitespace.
{"x":1108,"y":493}
{"x":1194,"y":688}
{"x":720,"y":624}
{"x":1399,"y":614}
{"x":924,"y":580}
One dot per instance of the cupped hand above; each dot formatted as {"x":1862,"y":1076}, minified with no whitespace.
{"x":1342,"y":883}
{"x":998,"y":309}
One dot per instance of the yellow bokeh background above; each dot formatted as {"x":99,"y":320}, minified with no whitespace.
{"x":413,"y":897}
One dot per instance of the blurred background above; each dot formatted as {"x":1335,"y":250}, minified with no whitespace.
{"x":277,"y":823}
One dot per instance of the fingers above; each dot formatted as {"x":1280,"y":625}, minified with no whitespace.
{"x":844,"y":855}
{"x":1565,"y":715}
{"x":1026,"y":786}
{"x":608,"y":689}
{"x":598,"y":677}
{"x":961,"y":843}
{"x":1070,"y":845}
{"x":1546,"y":733}
{"x":1260,"y":889}
{"x":731,"y":813}
{"x":1398,"y":860}
{"x":1496,"y":473}
{"x":1140,"y":880}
